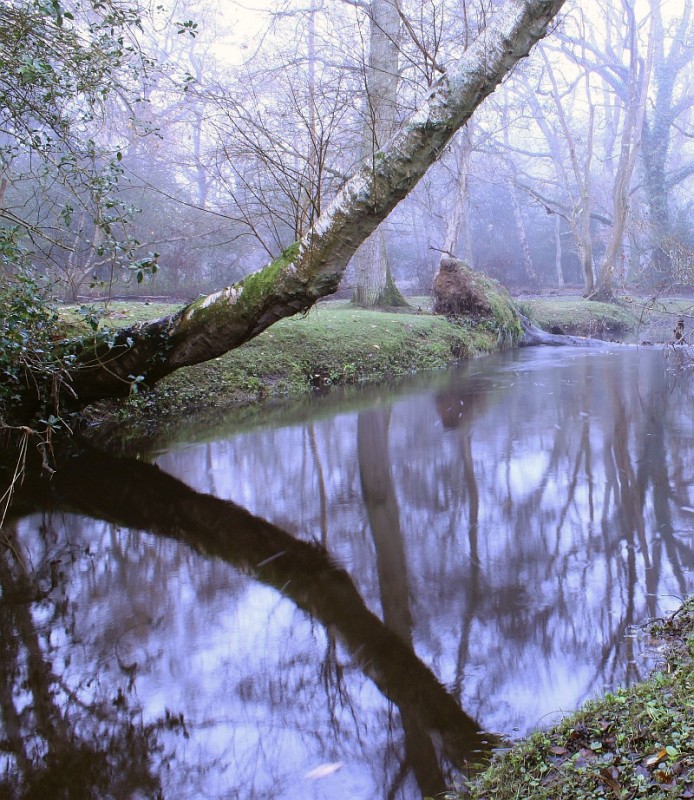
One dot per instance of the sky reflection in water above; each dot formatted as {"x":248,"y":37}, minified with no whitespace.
{"x":509,"y":526}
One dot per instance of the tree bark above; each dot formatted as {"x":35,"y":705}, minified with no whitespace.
{"x":110,"y":364}
{"x":374,"y":285}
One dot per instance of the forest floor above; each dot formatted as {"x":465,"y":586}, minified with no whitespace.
{"x":633,"y":743}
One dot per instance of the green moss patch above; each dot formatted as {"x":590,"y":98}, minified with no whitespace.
{"x":80,"y":320}
{"x":576,"y":316}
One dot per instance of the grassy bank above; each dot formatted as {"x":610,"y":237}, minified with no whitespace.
{"x":335,"y":344}
{"x":578,"y":317}
{"x":633,"y":743}
{"x":633,"y":319}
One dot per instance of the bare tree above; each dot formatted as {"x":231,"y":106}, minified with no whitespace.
{"x":374,"y":284}
{"x":667,"y":104}
{"x":107,"y":365}
{"x":637,"y":79}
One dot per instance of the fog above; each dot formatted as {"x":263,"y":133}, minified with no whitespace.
{"x":228,"y":130}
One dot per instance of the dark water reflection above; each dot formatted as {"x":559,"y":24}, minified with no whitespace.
{"x":497,"y":538}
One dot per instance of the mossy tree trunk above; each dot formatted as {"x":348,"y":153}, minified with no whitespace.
{"x":109,"y":364}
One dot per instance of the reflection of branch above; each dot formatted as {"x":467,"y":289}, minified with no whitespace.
{"x":139,"y":495}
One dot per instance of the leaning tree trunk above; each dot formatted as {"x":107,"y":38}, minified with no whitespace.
{"x":110,"y":364}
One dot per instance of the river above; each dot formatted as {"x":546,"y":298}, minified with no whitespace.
{"x":424,"y":565}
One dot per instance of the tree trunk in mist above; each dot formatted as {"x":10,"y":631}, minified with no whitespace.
{"x":558,"y":250}
{"x":529,"y":267}
{"x":512,"y":185}
{"x":374,"y":285}
{"x":657,"y":130}
{"x":458,"y":225}
{"x":578,"y":216}
{"x":581,"y":217}
{"x":634,"y":111}
{"x":109,"y":364}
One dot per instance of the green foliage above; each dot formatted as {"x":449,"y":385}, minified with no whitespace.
{"x":60,"y":60}
{"x":57,"y":63}
{"x":27,"y":329}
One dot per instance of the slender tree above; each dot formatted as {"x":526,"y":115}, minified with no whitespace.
{"x":374,"y":285}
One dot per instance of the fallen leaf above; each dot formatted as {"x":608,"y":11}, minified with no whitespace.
{"x":663,"y":777}
{"x":654,"y":759}
{"x":323,"y":770}
{"x":610,"y":781}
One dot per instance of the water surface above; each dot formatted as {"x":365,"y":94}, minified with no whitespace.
{"x":464,"y":553}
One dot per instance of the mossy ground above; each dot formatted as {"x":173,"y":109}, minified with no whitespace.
{"x":633,"y":743}
{"x":335,"y":344}
{"x":578,"y":317}
{"x":338,"y":344}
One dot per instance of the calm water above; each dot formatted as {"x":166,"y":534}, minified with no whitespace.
{"x":468,"y":552}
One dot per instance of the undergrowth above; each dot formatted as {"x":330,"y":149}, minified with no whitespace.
{"x":632,"y":743}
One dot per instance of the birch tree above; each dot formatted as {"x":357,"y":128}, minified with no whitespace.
{"x":108,"y":364}
{"x":374,"y":284}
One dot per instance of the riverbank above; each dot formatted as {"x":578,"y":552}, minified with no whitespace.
{"x":333,"y":345}
{"x":336,"y":344}
{"x":632,"y":743}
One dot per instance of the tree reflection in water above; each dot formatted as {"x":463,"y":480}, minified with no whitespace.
{"x":500,"y":534}
{"x":61,"y":739}
{"x":140,"y":496}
